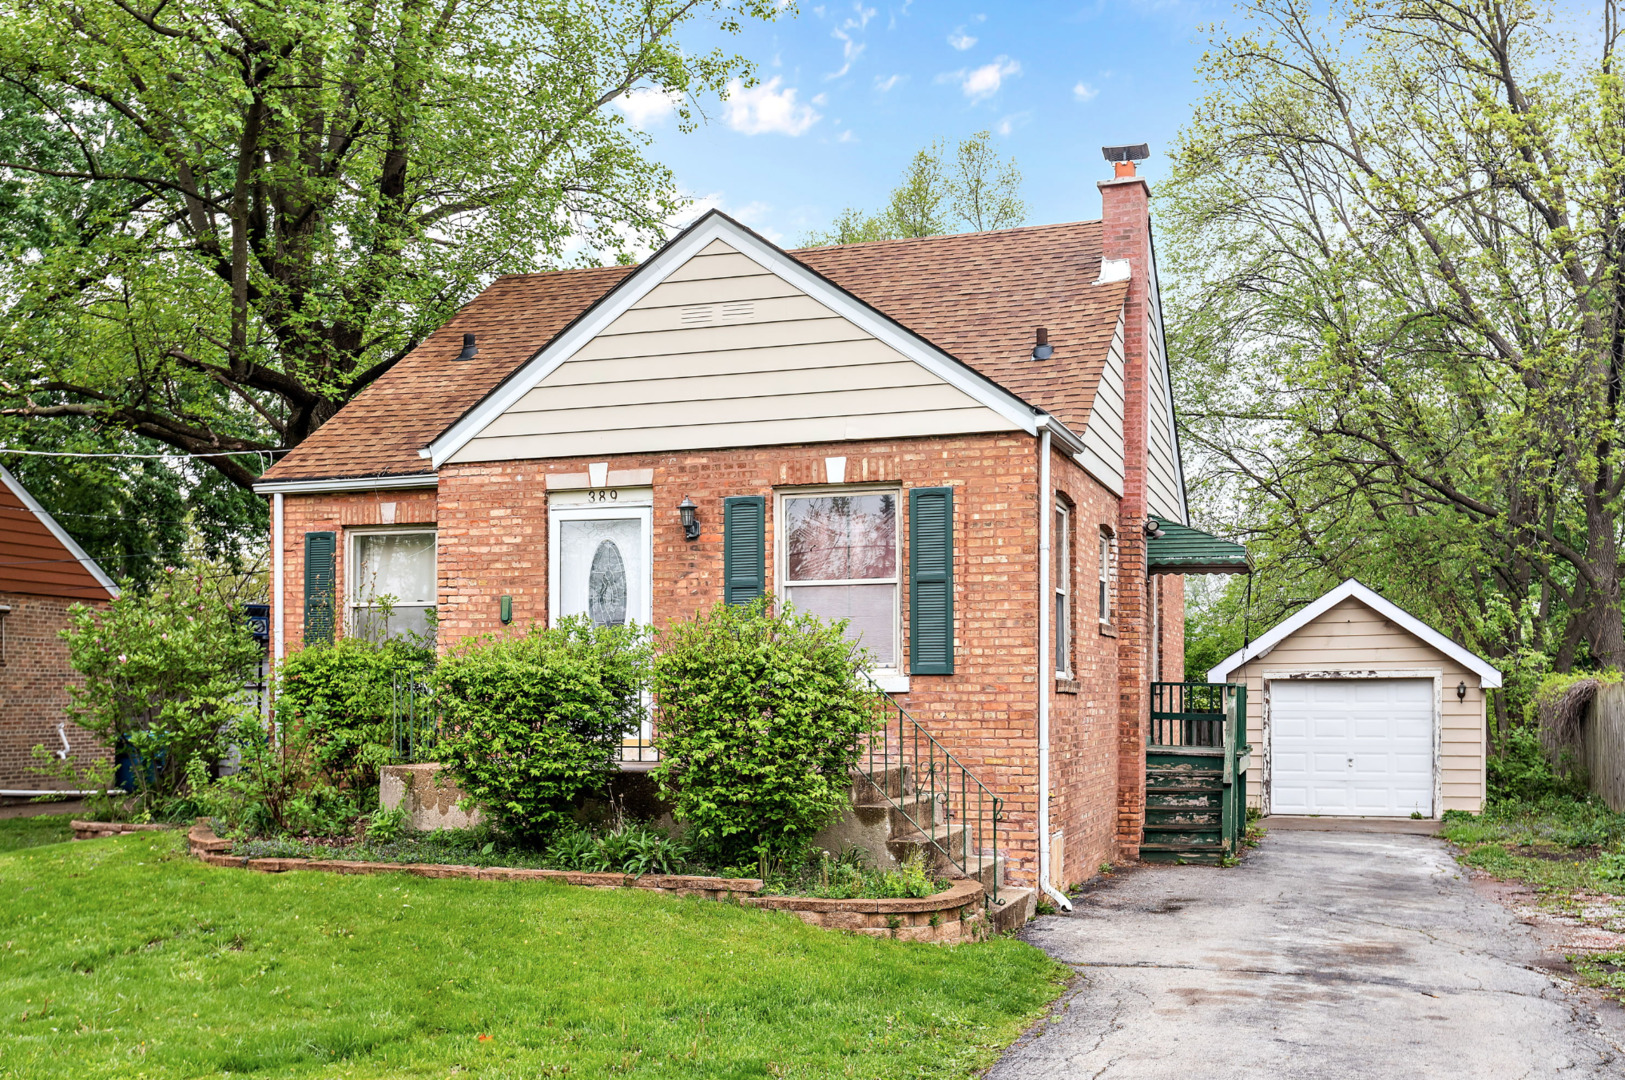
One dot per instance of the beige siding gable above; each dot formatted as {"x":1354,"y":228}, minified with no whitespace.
{"x":1103,"y":439}
{"x":1162,"y":472}
{"x":724,"y":352}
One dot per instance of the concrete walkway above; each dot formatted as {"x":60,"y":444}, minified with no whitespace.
{"x":1325,"y":954}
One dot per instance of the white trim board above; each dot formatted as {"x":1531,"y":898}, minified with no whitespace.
{"x":360,"y":483}
{"x":714,"y":226}
{"x":1489,"y":677}
{"x":91,"y":566}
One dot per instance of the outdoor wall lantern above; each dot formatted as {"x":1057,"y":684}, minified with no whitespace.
{"x":1461,"y":691}
{"x":691,"y":523}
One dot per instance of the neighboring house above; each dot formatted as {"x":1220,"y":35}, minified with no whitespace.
{"x":1358,"y":708}
{"x":959,"y":443}
{"x":42,"y":574}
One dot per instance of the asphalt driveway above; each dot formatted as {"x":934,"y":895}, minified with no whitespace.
{"x":1326,"y":954}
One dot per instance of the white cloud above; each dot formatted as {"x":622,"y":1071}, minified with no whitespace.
{"x":767,"y":110}
{"x":646,"y":106}
{"x":961,"y":40}
{"x":850,"y":48}
{"x":819,"y":100}
{"x":1084,"y":92}
{"x":983,"y":82}
{"x":1009,"y":123}
{"x":846,"y":136}
{"x":888,"y":82}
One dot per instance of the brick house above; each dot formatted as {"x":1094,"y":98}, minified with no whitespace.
{"x":42,"y":574}
{"x":959,"y":443}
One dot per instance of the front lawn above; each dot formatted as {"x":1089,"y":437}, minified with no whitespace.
{"x":24,"y":832}
{"x":123,"y":958}
{"x":1558,"y":844}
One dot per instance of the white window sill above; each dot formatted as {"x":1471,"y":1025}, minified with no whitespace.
{"x":891,"y":684}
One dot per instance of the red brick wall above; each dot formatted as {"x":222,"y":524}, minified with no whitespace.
{"x":1083,"y":711}
{"x":1172,"y":598}
{"x":492,"y":522}
{"x":33,"y":689}
{"x":335,"y":513}
{"x":1125,"y":234}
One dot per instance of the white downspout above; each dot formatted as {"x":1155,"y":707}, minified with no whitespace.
{"x":277,"y":618}
{"x":1044,"y":653}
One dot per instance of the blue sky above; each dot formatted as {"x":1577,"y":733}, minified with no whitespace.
{"x":849,"y":91}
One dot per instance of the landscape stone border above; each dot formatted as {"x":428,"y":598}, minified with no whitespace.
{"x":96,"y":830}
{"x":953,"y":915}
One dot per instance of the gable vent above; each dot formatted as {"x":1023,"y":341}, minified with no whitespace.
{"x":738,"y":311}
{"x":699,"y":314}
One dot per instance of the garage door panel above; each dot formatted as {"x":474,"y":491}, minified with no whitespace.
{"x":1351,"y":746}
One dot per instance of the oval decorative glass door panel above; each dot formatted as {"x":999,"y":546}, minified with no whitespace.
{"x":606,"y":586}
{"x":602,"y":569}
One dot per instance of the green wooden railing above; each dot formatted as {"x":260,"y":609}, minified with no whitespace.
{"x":1212,"y":717}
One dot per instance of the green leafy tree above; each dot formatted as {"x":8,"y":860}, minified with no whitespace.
{"x":531,"y":722}
{"x":762,"y":713}
{"x":164,"y":673}
{"x":233,"y":216}
{"x":976,"y":191}
{"x":1394,"y":230}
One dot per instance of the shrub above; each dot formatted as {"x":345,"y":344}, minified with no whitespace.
{"x":276,"y":789}
{"x":629,"y":849}
{"x":761,"y":714}
{"x":1522,"y":771}
{"x":531,"y":722}
{"x":164,"y":673}
{"x":340,"y":697}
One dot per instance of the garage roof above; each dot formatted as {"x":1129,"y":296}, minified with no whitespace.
{"x":1490,"y":677}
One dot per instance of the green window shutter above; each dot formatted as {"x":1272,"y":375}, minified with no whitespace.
{"x":744,"y":548}
{"x":931,"y":581}
{"x":320,"y":579}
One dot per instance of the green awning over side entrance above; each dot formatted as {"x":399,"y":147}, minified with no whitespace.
{"x":1180,"y":549}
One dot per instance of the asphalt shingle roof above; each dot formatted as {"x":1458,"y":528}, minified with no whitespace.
{"x":977,"y":296}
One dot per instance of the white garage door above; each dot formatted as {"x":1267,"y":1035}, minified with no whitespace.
{"x":1351,"y":746}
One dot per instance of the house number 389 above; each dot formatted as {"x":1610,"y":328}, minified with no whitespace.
{"x":599,"y":495}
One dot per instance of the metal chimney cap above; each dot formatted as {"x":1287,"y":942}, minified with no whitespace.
{"x":470,"y":350}
{"x":1133,"y":152}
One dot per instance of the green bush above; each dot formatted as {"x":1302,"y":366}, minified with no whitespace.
{"x":164,"y":674}
{"x":761,"y":717}
{"x":340,"y":698}
{"x":629,"y":849}
{"x":531,"y":722}
{"x":1522,"y":771}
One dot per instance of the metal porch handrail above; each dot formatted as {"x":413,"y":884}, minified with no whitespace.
{"x":965,"y":804}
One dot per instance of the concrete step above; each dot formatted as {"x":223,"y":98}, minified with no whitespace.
{"x":907,"y":812}
{"x":941,"y":846}
{"x":892,"y":779}
{"x":1015,"y":906}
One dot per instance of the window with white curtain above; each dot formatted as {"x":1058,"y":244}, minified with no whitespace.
{"x":391,"y":582}
{"x":839,"y":559}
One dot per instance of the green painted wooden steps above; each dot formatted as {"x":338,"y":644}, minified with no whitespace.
{"x":1184,"y":804}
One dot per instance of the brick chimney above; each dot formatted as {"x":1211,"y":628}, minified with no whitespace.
{"x":1126,"y":254}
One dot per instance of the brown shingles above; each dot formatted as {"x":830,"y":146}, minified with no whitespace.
{"x":977,"y":296}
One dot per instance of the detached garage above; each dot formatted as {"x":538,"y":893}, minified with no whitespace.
{"x":1358,"y":708}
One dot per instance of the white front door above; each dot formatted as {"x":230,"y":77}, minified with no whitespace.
{"x":1356,"y":747}
{"x":600,"y":556}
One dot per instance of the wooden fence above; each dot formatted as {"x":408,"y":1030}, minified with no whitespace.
{"x":1602,"y":744}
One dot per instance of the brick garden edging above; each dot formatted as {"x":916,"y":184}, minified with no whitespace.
{"x":95,"y":830}
{"x":950,"y":916}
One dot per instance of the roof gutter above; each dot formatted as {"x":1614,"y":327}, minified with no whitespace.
{"x":346,"y":483}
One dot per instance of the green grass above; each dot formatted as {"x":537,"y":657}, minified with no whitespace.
{"x":124,"y":958}
{"x":1560,"y":845}
{"x":26,"y":832}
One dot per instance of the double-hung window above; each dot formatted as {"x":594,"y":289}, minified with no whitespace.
{"x":391,"y":582}
{"x":839,"y":559}
{"x":1108,"y":575}
{"x":1061,"y":545}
